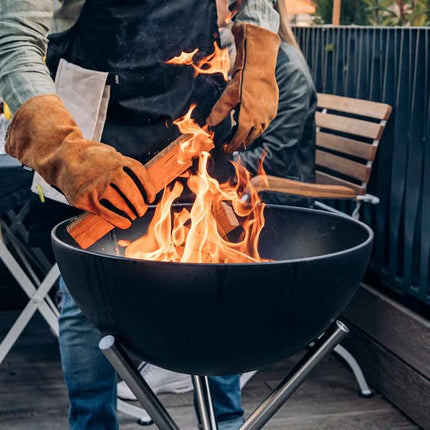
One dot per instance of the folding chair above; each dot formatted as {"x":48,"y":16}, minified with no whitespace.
{"x":26,"y":264}
{"x":348,"y":134}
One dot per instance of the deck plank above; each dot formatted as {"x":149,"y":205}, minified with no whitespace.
{"x":33,"y":395}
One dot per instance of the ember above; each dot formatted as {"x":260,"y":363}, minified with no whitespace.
{"x":195,"y":234}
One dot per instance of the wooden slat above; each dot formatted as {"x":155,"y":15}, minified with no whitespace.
{"x":400,"y":383}
{"x":342,"y":165}
{"x":403,"y":332}
{"x":325,"y":178}
{"x":288,"y":186}
{"x":352,"y":126}
{"x":354,"y":106}
{"x":347,"y":146}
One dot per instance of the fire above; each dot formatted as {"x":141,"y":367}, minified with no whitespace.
{"x":199,"y":233}
{"x":217,"y":62}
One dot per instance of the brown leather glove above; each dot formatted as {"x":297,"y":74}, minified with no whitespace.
{"x":253,"y":86}
{"x":92,"y":176}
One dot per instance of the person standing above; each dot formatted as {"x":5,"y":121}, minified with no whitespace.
{"x":112,"y":85}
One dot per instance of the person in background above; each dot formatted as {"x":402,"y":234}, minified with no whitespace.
{"x":101,"y":106}
{"x":289,"y":141}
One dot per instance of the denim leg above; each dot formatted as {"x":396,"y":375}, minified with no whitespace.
{"x":227,"y":401}
{"x":89,"y":377}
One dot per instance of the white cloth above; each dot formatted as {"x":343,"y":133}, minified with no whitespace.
{"x":86,"y":95}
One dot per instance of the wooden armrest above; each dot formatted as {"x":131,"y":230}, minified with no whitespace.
{"x":288,"y":186}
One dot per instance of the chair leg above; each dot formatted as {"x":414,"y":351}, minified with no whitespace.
{"x":122,"y":363}
{"x":204,"y":403}
{"x":365,"y":391}
{"x":35,"y":303}
{"x":134,"y":411}
{"x":296,"y":376}
{"x":28,"y":287}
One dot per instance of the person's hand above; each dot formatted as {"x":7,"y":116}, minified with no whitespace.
{"x":252,"y":89}
{"x":92,"y":176}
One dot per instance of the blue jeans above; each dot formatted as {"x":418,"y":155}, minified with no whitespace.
{"x":91,"y":380}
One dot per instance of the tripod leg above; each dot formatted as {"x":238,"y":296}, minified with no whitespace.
{"x":297,"y":375}
{"x":204,"y":403}
{"x":123,"y":365}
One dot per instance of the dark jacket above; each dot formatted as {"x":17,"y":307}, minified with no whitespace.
{"x":290,"y":138}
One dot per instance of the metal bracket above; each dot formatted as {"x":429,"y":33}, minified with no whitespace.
{"x":368,"y":198}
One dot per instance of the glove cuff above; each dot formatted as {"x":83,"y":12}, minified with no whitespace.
{"x":38,"y":127}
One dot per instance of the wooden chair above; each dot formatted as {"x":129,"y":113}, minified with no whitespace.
{"x":348,"y":135}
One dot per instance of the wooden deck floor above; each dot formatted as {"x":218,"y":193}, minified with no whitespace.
{"x":33,"y":395}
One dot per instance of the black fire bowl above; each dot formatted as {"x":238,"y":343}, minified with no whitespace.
{"x":220,"y":319}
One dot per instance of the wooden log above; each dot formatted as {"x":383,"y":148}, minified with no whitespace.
{"x":225,"y":217}
{"x":166,"y":166}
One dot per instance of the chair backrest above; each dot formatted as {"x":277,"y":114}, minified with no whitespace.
{"x":348,"y":135}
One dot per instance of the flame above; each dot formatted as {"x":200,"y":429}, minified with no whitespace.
{"x":193,"y":234}
{"x":217,"y":62}
{"x":191,"y":146}
{"x":199,"y":233}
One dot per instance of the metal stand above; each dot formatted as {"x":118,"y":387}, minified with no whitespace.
{"x":204,"y":403}
{"x":125,"y":368}
{"x":292,"y":381}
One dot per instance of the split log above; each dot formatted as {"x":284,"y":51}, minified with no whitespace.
{"x":225,"y":217}
{"x":164,"y":168}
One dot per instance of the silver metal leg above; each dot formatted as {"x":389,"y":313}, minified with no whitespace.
{"x":128,"y":372}
{"x":204,"y":403}
{"x":365,"y":390}
{"x":292,"y":381}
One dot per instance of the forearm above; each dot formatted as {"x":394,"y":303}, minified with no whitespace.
{"x":23,"y":41}
{"x":259,"y":12}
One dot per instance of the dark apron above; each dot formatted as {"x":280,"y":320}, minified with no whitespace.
{"x":132,"y":40}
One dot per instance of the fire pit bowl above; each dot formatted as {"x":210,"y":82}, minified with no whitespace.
{"x":218,"y":319}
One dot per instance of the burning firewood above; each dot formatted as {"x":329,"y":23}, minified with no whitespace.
{"x":165,"y":167}
{"x":199,"y":234}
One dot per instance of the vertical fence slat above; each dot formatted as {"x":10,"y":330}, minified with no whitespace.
{"x":389,"y":65}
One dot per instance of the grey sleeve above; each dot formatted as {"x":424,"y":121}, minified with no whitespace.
{"x":286,"y":130}
{"x":23,"y":43}
{"x":259,"y":12}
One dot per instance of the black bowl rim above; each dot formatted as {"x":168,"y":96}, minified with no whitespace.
{"x":364,"y":226}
